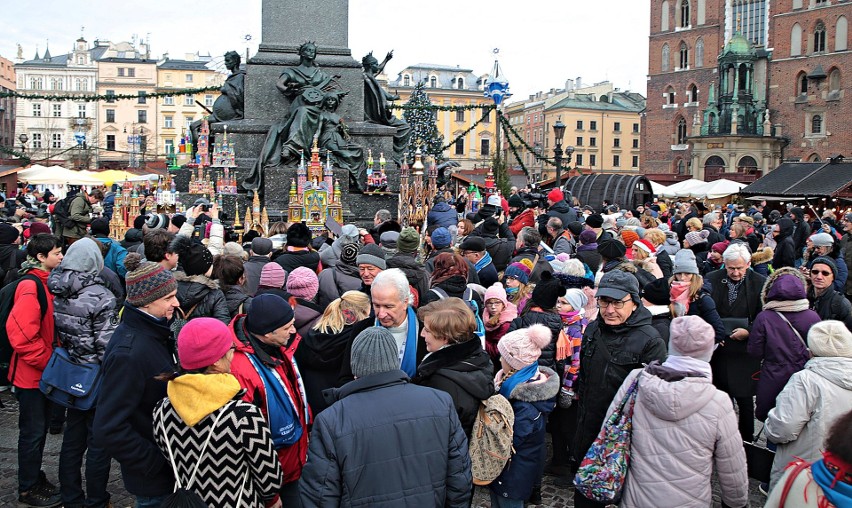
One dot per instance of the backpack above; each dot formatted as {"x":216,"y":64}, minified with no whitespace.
{"x":467,"y":298}
{"x":491,"y":439}
{"x":62,"y":213}
{"x":7,"y":301}
{"x":181,"y":318}
{"x":10,"y":273}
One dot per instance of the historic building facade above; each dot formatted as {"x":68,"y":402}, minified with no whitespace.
{"x":7,"y":105}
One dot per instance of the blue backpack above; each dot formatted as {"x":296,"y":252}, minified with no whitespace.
{"x":467,"y":298}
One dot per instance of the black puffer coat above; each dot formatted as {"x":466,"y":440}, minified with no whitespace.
{"x":464,"y":371}
{"x":607,"y":355}
{"x":132,"y":239}
{"x":289,"y":261}
{"x":561,"y":210}
{"x":548,"y":319}
{"x":785,"y":249}
{"x":203,"y":293}
{"x":831,"y":305}
{"x":387,"y":443}
{"x":417,"y":276}
{"x":501,"y":250}
{"x":320,"y":357}
{"x":236,"y":297}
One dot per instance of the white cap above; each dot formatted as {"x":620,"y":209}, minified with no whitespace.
{"x":494,"y":199}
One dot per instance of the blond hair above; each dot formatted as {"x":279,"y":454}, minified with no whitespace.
{"x":655,"y":236}
{"x":351,"y":307}
{"x":694,"y":224}
{"x":694,"y":286}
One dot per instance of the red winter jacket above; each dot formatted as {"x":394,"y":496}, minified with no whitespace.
{"x":525,"y":218}
{"x":30,"y":335}
{"x":294,"y":456}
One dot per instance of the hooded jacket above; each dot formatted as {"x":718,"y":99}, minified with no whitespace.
{"x":84,"y":311}
{"x":252,"y":268}
{"x":501,"y":250}
{"x":204,"y":294}
{"x":831,"y":305}
{"x":236,"y":297}
{"x":561,"y":210}
{"x":384,"y":443}
{"x":524,"y":219}
{"x":760,"y":260}
{"x":532,"y":402}
{"x":30,"y":334}
{"x":114,"y":258}
{"x":335,"y":281}
{"x":785,"y":250}
{"x":132,"y":238}
{"x":240,"y":443}
{"x":607,"y":355}
{"x":806,"y":408}
{"x":463,"y":370}
{"x":774,"y":342}
{"x":306,"y":313}
{"x":683,"y":430}
{"x":802,"y":231}
{"x":443,"y":215}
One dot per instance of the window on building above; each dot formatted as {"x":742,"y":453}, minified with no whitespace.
{"x":747,"y":165}
{"x":665,"y":58}
{"x":121,"y":72}
{"x":36,"y":83}
{"x":664,"y":16}
{"x":143,"y":97}
{"x":187,"y":121}
{"x":699,"y":53}
{"x":578,"y":158}
{"x":593,"y":125}
{"x":593,"y":141}
{"x":110,"y":95}
{"x":406,"y":80}
{"x":669,"y":96}
{"x":208,"y":100}
{"x":143,"y":143}
{"x":56,"y":140}
{"x":110,"y":116}
{"x":170,"y":146}
{"x":692,"y":93}
{"x":142,"y":116}
{"x":816,"y":124}
{"x":486,"y":118}
{"x":81,"y":111}
{"x":616,"y":126}
{"x":635,"y":143}
{"x":579,"y":125}
{"x":189,"y":77}
{"x":802,"y":82}
{"x":37,"y":141}
{"x":36,"y":109}
{"x":841,"y":31}
{"x":131,"y":72}
{"x":168,"y":122}
{"x":681,"y":131}
{"x":460,"y":83}
{"x":484,"y":147}
{"x":635,"y":162}
{"x":684,"y":56}
{"x":819,"y":38}
{"x":635,"y":128}
{"x":188,"y":100}
{"x":433,"y":82}
{"x":579,"y":141}
{"x":616,"y":161}
{"x":593,"y":159}
{"x":460,"y":147}
{"x":752,"y":19}
{"x":460,"y":115}
{"x":110,"y":142}
{"x":616,"y":142}
{"x":681,"y":167}
{"x":684,"y":13}
{"x":834,"y":80}
{"x":796,"y":40}
{"x":168,"y":100}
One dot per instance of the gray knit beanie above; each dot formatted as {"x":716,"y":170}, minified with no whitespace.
{"x":372,"y":254}
{"x":374,"y":351}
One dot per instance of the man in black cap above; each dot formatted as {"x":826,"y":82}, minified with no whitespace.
{"x":595,"y":223}
{"x":380,"y":422}
{"x":473,"y":249}
{"x":619,"y":340}
{"x":499,"y":240}
{"x":261,"y":250}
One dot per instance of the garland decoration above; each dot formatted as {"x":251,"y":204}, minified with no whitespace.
{"x":108,"y":97}
{"x":511,"y":129}
{"x":467,"y":131}
{"x":14,"y":153}
{"x":434,"y":107}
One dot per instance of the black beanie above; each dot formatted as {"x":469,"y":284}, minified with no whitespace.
{"x":657,"y":292}
{"x":100,"y":227}
{"x":547,"y":291}
{"x":8,"y":234}
{"x":298,"y":235}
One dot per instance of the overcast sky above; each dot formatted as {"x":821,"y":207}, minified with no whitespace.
{"x":542,"y":42}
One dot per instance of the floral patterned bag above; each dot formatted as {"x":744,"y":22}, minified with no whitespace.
{"x":603,"y":471}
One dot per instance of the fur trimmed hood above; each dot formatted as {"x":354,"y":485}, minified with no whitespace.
{"x":200,"y":279}
{"x":777,"y":273}
{"x":763,"y":255}
{"x":536,"y":391}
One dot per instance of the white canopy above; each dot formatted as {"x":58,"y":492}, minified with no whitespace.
{"x":658,"y":189}
{"x":55,"y":175}
{"x":703,"y":190}
{"x":721,"y":188}
{"x":684,"y":189}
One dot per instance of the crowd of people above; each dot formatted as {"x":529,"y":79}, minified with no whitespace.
{"x":300,"y":369}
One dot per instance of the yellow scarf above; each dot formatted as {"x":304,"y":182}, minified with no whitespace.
{"x":195,"y":396}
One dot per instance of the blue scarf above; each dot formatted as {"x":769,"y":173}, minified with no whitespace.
{"x":839,"y":494}
{"x":522,"y":376}
{"x":281,"y":410}
{"x":511,"y":291}
{"x":409,"y":355}
{"x":482,"y":263}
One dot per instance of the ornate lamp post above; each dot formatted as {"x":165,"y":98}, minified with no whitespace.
{"x":558,"y":133}
{"x":497,"y":90}
{"x":23,"y":138}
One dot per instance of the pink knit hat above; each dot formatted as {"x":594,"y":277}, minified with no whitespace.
{"x":691,"y":336}
{"x":522,"y":348}
{"x":303,"y":283}
{"x":496,"y":291}
{"x":272,"y":276}
{"x":202,"y":342}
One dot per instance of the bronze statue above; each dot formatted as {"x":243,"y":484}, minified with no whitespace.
{"x":376,"y":107}
{"x":231,"y":104}
{"x":334,"y":136}
{"x":306,"y":86}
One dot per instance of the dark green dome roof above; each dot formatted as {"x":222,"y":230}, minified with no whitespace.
{"x":739,"y":45}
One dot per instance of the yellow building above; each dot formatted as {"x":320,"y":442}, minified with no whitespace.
{"x":454,"y":86}
{"x":126,"y":126}
{"x":175,"y":114}
{"x":603,"y":130}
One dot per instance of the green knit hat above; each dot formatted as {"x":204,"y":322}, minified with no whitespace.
{"x":408,"y":241}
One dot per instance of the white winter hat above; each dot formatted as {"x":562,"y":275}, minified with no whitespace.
{"x":830,"y":338}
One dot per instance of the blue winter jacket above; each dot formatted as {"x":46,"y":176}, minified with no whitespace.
{"x":114,"y":259}
{"x":442,"y":214}
{"x":532,"y":402}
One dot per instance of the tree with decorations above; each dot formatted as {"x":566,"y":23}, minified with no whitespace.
{"x":424,"y":128}
{"x":501,"y":175}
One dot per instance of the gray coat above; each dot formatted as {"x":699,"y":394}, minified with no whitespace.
{"x":333,"y":282}
{"x":252,"y":267}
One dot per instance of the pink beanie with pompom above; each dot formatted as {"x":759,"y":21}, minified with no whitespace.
{"x":522,"y":348}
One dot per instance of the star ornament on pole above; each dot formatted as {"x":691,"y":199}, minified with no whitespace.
{"x":497,"y":88}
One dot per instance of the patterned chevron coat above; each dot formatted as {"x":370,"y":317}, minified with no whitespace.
{"x":241,"y":442}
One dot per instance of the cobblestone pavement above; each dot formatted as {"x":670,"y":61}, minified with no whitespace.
{"x":554,"y":492}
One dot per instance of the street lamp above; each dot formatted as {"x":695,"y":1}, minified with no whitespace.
{"x":23,"y":138}
{"x":558,"y":133}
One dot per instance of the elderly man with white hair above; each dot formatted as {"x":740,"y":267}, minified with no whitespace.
{"x":392,"y":309}
{"x":736,"y":291}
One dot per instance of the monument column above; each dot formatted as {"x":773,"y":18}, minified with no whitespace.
{"x":325,"y":22}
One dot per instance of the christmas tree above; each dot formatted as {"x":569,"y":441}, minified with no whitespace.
{"x":424,"y":128}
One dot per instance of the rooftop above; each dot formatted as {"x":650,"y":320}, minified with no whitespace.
{"x":805,"y":179}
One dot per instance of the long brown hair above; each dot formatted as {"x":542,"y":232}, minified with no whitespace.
{"x":448,"y":265}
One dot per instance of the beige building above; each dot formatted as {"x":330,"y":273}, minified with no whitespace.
{"x":128,"y":127}
{"x":176,"y":113}
{"x":454,"y":86}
